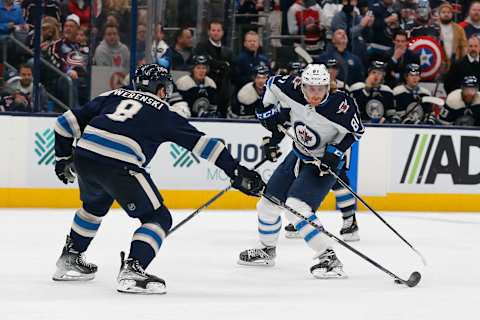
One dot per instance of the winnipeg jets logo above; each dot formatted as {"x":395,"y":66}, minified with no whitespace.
{"x":306,"y":136}
{"x":343,"y":107}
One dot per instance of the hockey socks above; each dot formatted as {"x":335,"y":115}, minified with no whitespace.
{"x":84,"y":228}
{"x":146,"y":242}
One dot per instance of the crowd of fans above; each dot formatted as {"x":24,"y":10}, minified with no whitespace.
{"x":366,"y":45}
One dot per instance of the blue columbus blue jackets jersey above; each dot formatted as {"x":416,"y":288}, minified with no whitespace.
{"x":335,"y":121}
{"x":125,"y":127}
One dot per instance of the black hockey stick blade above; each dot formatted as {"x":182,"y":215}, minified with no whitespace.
{"x":412,"y":281}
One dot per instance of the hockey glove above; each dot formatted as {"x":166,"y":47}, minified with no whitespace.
{"x":248,"y":181}
{"x":271,"y":149}
{"x":332,"y":160}
{"x":65,"y":170}
{"x":270,"y":117}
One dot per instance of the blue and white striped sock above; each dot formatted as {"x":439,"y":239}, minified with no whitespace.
{"x":269,"y":222}
{"x":346,"y":202}
{"x":84,"y":228}
{"x":146,"y":242}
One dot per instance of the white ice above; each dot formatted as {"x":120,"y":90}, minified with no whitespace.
{"x":204,"y":282}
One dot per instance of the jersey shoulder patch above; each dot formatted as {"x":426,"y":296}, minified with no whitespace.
{"x":399,"y":90}
{"x":386,"y":88}
{"x":357,"y":86}
{"x":454,"y":100}
{"x":247,"y":95}
{"x":185,"y":83}
{"x":210,"y":83}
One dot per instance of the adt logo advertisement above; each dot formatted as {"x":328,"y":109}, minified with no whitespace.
{"x":427,"y":160}
{"x":45,"y":147}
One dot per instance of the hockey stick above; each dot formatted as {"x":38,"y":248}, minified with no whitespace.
{"x":209,"y":202}
{"x":346,"y":186}
{"x":304,"y":54}
{"x":413,"y":279}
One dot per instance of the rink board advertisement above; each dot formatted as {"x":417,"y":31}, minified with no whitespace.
{"x":395,"y":169}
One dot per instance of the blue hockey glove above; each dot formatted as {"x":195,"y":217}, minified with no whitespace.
{"x":271,"y":149}
{"x":331,"y":160}
{"x":248,"y":181}
{"x":270,"y":117}
{"x":65,"y":171}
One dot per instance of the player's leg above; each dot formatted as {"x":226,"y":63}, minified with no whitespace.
{"x":269,"y":216}
{"x":139,"y":197}
{"x":347,"y":205}
{"x":305,"y":196}
{"x":95,"y":204}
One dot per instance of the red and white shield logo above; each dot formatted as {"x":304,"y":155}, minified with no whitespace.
{"x":431,"y":55}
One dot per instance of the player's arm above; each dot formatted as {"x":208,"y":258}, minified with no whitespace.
{"x":178,"y":130}
{"x":69,"y":127}
{"x":270,"y":116}
{"x":334,"y":153}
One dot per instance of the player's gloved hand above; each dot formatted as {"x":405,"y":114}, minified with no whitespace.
{"x":270,"y":117}
{"x":248,"y":181}
{"x":331,"y":160}
{"x":271,"y":149}
{"x":395,"y":119}
{"x":65,"y":171}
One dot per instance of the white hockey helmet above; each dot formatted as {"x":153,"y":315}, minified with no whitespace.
{"x":315,"y":76}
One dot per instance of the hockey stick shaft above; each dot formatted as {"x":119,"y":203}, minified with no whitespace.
{"x":209,"y":202}
{"x":346,"y":186}
{"x":341,"y":242}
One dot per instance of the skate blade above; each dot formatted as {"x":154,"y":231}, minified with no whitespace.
{"x":351,"y":237}
{"x":129,"y":286}
{"x":292,"y":235}
{"x":258,"y":263}
{"x":71,"y":275}
{"x":330,"y":274}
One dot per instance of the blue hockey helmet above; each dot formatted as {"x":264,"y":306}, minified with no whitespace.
{"x":151,"y":77}
{"x":470,"y":82}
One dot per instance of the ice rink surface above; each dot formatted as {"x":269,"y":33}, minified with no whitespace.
{"x":204,"y":282}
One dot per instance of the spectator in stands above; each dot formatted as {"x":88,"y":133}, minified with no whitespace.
{"x":161,"y":52}
{"x":199,"y":90}
{"x":374,"y":99}
{"x":111,"y":52}
{"x":467,"y":66}
{"x":182,"y":52}
{"x":66,"y":55}
{"x":308,"y":22}
{"x":350,"y":20}
{"x":81,"y":8}
{"x":452,"y":35}
{"x":21,"y":88}
{"x":11,"y":18}
{"x":50,"y":33}
{"x":350,"y":68}
{"x":471,"y":25}
{"x":385,"y":23}
{"x":335,"y":83}
{"x":408,"y":104}
{"x":398,"y":58}
{"x":121,"y":10}
{"x":250,"y":96}
{"x":51,"y":8}
{"x":247,"y":60}
{"x":462,"y":107}
{"x":295,"y":8}
{"x":141,"y":43}
{"x":220,"y":63}
{"x":407,"y":13}
{"x":425,"y":23}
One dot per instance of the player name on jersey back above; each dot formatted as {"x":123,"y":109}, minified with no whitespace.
{"x":144,"y":97}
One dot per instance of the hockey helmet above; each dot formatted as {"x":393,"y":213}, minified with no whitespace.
{"x":315,"y":80}
{"x":200,"y":59}
{"x":262,"y":70}
{"x":331,"y":63}
{"x":470,"y":82}
{"x":150,"y":77}
{"x":376,"y":65}
{"x":413,"y":69}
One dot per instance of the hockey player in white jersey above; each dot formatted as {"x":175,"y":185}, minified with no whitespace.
{"x":325,"y":123}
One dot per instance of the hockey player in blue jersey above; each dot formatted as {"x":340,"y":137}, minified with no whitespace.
{"x":325,"y":123}
{"x":116,"y":135}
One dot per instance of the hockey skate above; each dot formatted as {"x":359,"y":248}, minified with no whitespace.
{"x":349,"y":230}
{"x":258,"y":257}
{"x":291,"y":232}
{"x":71,"y":265}
{"x":328,"y":267}
{"x":133,"y":279}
